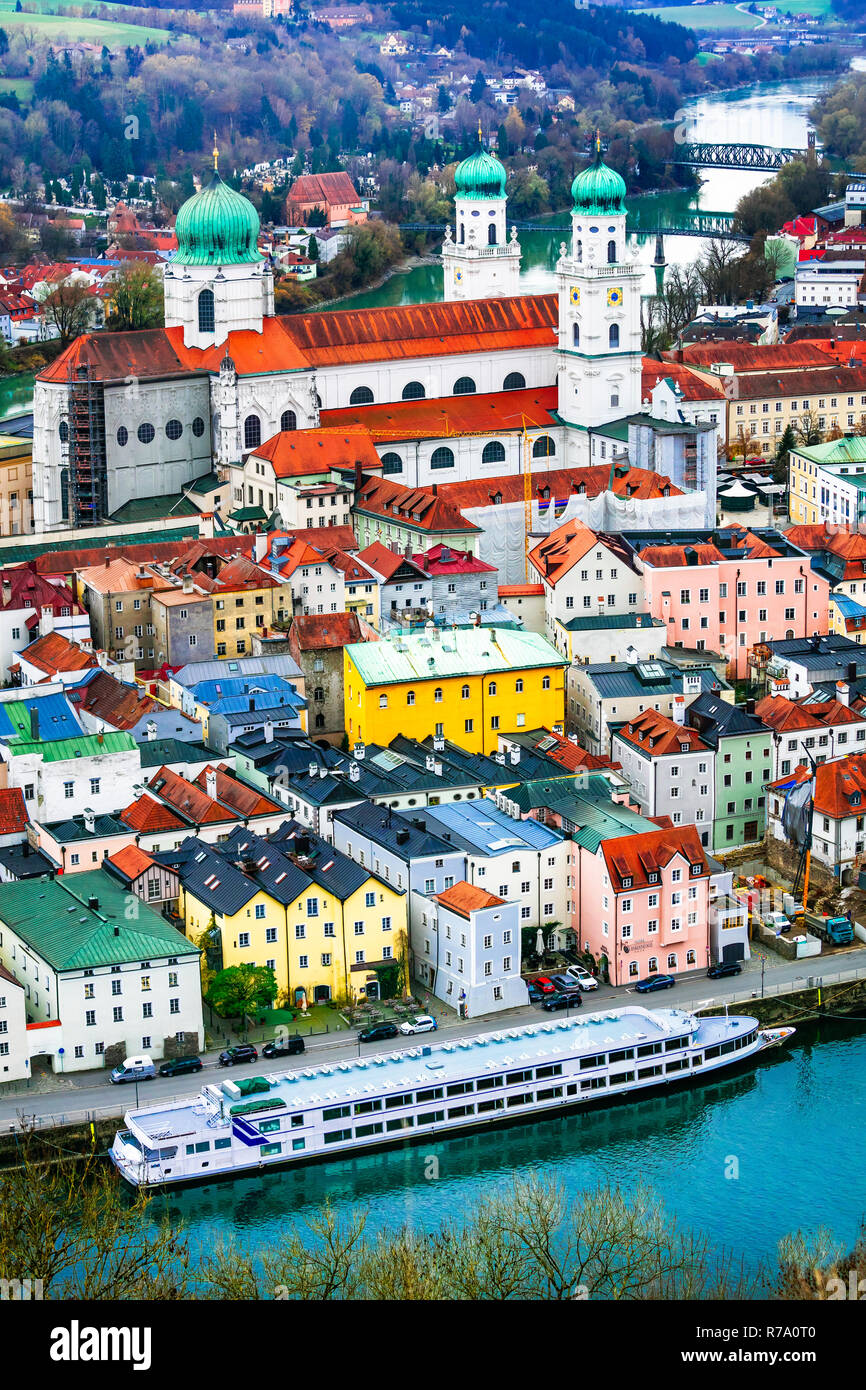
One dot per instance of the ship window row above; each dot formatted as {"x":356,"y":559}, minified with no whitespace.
{"x":732,"y":1045}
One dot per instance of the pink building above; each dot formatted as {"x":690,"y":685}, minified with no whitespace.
{"x":643,"y":902}
{"x":726,"y":591}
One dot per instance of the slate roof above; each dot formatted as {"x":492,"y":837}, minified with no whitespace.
{"x":383,"y":825}
{"x":333,"y":871}
{"x":157,"y":751}
{"x":715,"y":718}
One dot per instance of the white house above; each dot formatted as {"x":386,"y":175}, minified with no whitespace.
{"x":14,"y":1051}
{"x":466,"y":950}
{"x":670,"y":770}
{"x":63,"y":775}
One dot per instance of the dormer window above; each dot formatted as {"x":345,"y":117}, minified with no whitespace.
{"x":695,"y":868}
{"x":855,"y":798}
{"x":684,"y":748}
{"x":653,"y":878}
{"x":626,"y":883}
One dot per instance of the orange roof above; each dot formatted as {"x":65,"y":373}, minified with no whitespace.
{"x":636,"y":856}
{"x":121,"y":576}
{"x":559,"y":552}
{"x":465,"y":898}
{"x":299,"y":453}
{"x":849,"y":545}
{"x":692,"y":386}
{"x":243,"y":799}
{"x":675,"y":555}
{"x":386,"y":562}
{"x":243,"y":573}
{"x":659,"y":735}
{"x":561,"y":483}
{"x":54,"y":652}
{"x":108,"y":698}
{"x":131,"y":861}
{"x":570,"y":755}
{"x":751,"y":357}
{"x":840,"y":786}
{"x":426,"y":509}
{"x":13,"y":811}
{"x":521,"y":590}
{"x":316,"y":630}
{"x":495,"y":413}
{"x":188,"y":799}
{"x":147,"y":814}
{"x":323,"y":189}
{"x":783,"y":714}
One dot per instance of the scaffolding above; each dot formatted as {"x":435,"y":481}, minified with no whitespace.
{"x":88,"y":471}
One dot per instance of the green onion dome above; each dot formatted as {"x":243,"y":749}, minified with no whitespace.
{"x":217,"y":226}
{"x":480,"y":176}
{"x":598,"y":191}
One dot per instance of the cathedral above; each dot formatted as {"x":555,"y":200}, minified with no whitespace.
{"x":463,"y":388}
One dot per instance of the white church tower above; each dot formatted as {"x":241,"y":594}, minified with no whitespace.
{"x":479,"y":259}
{"x":599,"y":342}
{"x":217,"y":280}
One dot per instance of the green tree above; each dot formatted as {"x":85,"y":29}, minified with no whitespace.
{"x":783,"y":454}
{"x":478,"y":89}
{"x":313,"y":249}
{"x":136,"y":298}
{"x":241,"y":989}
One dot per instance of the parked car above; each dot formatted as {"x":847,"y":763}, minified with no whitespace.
{"x":544,"y":984}
{"x":378,"y":1032}
{"x":421,"y":1023}
{"x":138,"y":1068}
{"x":724,"y":967}
{"x":776,"y":922}
{"x":654,"y":982}
{"x":581,"y":976}
{"x":243,"y":1052}
{"x":535,"y":994}
{"x":179,"y":1066}
{"x":562,"y":982}
{"x":288,"y":1047}
{"x":574,"y":1000}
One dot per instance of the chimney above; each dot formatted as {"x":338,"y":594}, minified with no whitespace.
{"x":187,"y":583}
{"x":269,"y":731}
{"x":312,"y":768}
{"x":354,"y":772}
{"x":107,"y":562}
{"x":852,"y":671}
{"x":252,"y":702}
{"x":151,"y":730}
{"x":34,"y":723}
{"x":750,"y":707}
{"x":89,"y":820}
{"x":515,"y":755}
{"x":93,"y":904}
{"x":358,"y":752}
{"x":210,"y":778}
{"x":843,"y":693}
{"x":678,"y":713}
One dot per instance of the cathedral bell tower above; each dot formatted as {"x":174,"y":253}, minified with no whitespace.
{"x":479,"y":259}
{"x":599,"y":339}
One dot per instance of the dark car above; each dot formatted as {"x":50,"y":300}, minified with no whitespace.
{"x":544,"y":984}
{"x":563,"y":983}
{"x":178,"y":1066}
{"x":724,"y":967}
{"x":535,"y":994}
{"x":244,"y":1052}
{"x":574,"y":1000}
{"x":289,"y":1047}
{"x":378,"y":1032}
{"x":655,"y":982}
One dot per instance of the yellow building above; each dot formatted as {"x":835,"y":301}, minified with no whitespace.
{"x":16,"y":486}
{"x":827,"y":482}
{"x":247,"y":599}
{"x":469,"y":685}
{"x":847,"y":617}
{"x":320,"y":921}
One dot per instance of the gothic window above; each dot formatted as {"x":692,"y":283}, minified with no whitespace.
{"x":64,"y":493}
{"x":575,"y":335}
{"x":544,"y":447}
{"x":252,"y":432}
{"x":491,"y":234}
{"x":64,"y":431}
{"x":442,"y":458}
{"x":494,"y":452}
{"x":613,"y":335}
{"x":288,"y":420}
{"x":464,"y":386}
{"x":611,"y":252}
{"x":362,"y":395}
{"x":392,"y":463}
{"x":206,"y":318}
{"x":320,"y":721}
{"x":413,"y":391}
{"x":515,"y":381}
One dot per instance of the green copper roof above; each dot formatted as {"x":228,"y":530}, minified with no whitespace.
{"x":598,"y":191}
{"x":64,"y":749}
{"x":480,"y":176}
{"x":217,"y":226}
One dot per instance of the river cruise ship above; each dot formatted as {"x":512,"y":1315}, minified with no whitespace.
{"x":324,"y":1111}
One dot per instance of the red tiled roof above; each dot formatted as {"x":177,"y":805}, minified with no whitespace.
{"x":635,"y":856}
{"x":13,"y":811}
{"x":571,"y":756}
{"x":425,"y":509}
{"x":324,"y":189}
{"x":819,"y":380}
{"x":465,"y":898}
{"x":783,"y":714}
{"x":560,"y":484}
{"x":188,"y":799}
{"x":27,"y":589}
{"x":521,"y":590}
{"x":659,"y":735}
{"x":107,"y":698}
{"x":750,"y":357}
{"x":559,"y":552}
{"x":692,"y":386}
{"x":243,"y":799}
{"x":315,"y":631}
{"x":837,"y":783}
{"x":386,"y":562}
{"x":444,"y":559}
{"x":493,"y":414}
{"x":131,"y":861}
{"x":244,"y":573}
{"x":68,"y":561}
{"x":299,"y":453}
{"x":54,"y":652}
{"x":849,"y":545}
{"x":148,"y":814}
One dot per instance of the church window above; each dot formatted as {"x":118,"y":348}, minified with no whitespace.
{"x":515,"y":381}
{"x":392,"y":463}
{"x":544,"y":447}
{"x":464,"y":386}
{"x":414,"y":391}
{"x":611,"y":252}
{"x":575,"y":335}
{"x":462,"y":234}
{"x":362,"y":395}
{"x":252,"y":432}
{"x":614,"y":398}
{"x":580,"y":250}
{"x":146,"y":433}
{"x":206,"y":319}
{"x":320,"y":721}
{"x":494,"y":452}
{"x":122,"y":435}
{"x":198,"y":427}
{"x":613,"y":335}
{"x":442,"y":458}
{"x":288,"y":420}
{"x":64,"y":431}
{"x":491,"y":234}
{"x":64,"y":494}
{"x":174,"y":429}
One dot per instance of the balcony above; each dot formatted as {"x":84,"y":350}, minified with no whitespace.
{"x":451,"y":248}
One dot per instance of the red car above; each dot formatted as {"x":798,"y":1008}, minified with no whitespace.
{"x":546,"y":986}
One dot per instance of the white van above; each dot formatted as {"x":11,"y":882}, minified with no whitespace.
{"x":134,"y":1069}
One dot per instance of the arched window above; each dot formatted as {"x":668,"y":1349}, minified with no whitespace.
{"x":613,"y":335}
{"x":442,"y":458}
{"x":174,"y":429}
{"x":392,"y":463}
{"x":64,"y":431}
{"x":464,"y":692}
{"x":252,"y":432}
{"x":319,"y":694}
{"x":320,"y":721}
{"x":414,"y":391}
{"x":383,"y":701}
{"x":362,"y":395}
{"x":491,"y":234}
{"x":464,"y":386}
{"x":580,"y":250}
{"x":64,"y":493}
{"x":122,"y":435}
{"x":614,"y":399}
{"x":206,"y":320}
{"x":515,"y":381}
{"x":575,"y":335}
{"x":437,"y":695}
{"x":491,"y":689}
{"x":288,"y":420}
{"x":544,"y":447}
{"x":410,"y":697}
{"x":462,"y":234}
{"x":146,"y":433}
{"x":494,"y":452}
{"x":198,"y":427}
{"x":611,"y":253}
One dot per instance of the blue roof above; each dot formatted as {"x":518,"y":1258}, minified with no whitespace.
{"x":210,"y":691}
{"x":56,"y":717}
{"x":848,"y":607}
{"x":480,"y":825}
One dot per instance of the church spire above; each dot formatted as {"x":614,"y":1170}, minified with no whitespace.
{"x":216,"y":154}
